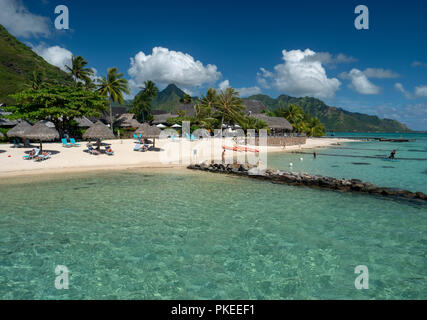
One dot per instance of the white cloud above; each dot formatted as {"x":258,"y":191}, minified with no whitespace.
{"x":419,"y":64}
{"x":243,"y":92}
{"x":414,"y":115}
{"x":421,"y":91}
{"x":167,"y":66}
{"x":16,"y":18}
{"x":300,"y":77}
{"x":360,"y":82}
{"x":224,"y":85}
{"x":327,"y":58}
{"x":55,"y":55}
{"x":380,"y":73}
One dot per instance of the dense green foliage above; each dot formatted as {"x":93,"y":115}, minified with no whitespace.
{"x":57,"y":103}
{"x":334,"y":119}
{"x":18,"y":64}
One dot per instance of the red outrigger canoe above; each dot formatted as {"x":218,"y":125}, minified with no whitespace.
{"x":240,"y":149}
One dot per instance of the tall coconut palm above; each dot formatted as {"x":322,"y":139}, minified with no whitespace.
{"x":141,"y":104}
{"x":113,"y":87}
{"x":209,"y":102}
{"x":78,"y":70}
{"x":230,"y":106}
{"x":295,"y":115}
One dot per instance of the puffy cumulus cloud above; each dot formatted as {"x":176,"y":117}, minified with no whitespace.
{"x":380,"y":73}
{"x":299,"y":76}
{"x":167,"y":66}
{"x":243,"y":92}
{"x":55,"y":55}
{"x":360,"y":82}
{"x":16,"y":18}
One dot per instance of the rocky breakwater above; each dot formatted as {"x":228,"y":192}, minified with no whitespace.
{"x":305,"y":179}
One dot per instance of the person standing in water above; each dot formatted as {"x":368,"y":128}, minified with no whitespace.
{"x":392,"y":154}
{"x":314,"y":154}
{"x":223,"y":157}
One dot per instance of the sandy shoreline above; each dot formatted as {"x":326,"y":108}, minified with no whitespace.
{"x":172,"y":155}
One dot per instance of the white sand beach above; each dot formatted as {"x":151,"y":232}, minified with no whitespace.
{"x":170,"y":155}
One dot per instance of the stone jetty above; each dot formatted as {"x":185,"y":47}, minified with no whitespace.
{"x":308,"y":180}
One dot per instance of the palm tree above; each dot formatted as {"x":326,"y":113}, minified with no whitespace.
{"x":37,"y":78}
{"x":209,"y":102}
{"x":141,"y":104}
{"x":113,"y":87}
{"x":315,"y":128}
{"x":186,"y":99}
{"x":295,"y":115}
{"x":78,"y":70}
{"x":230,"y":106}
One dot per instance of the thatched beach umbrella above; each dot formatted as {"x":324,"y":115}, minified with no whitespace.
{"x":98,"y":131}
{"x":40,"y":132}
{"x":18,"y":130}
{"x":149,"y":132}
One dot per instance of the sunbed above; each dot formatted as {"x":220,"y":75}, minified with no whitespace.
{"x":73,"y":142}
{"x":29,"y":156}
{"x":65,"y":143}
{"x":43,"y":157}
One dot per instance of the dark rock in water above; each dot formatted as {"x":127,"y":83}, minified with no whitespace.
{"x":425,"y":172}
{"x":334,"y":166}
{"x":387,"y":167}
{"x":361,"y":163}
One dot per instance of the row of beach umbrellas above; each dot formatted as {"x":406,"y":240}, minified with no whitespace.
{"x":98,"y":131}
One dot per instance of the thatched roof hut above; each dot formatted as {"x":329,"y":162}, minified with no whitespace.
{"x":149,"y":132}
{"x":98,"y":131}
{"x":127,"y":120}
{"x":18,"y":130}
{"x":274,"y":123}
{"x":83,"y":122}
{"x":40,"y":132}
{"x":163,"y":118}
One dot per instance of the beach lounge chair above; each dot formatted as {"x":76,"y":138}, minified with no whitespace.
{"x":137,"y":147}
{"x":65,"y":143}
{"x":73,"y":142}
{"x":16,"y":143}
{"x":135,"y":136}
{"x":93,"y":151}
{"x":43,"y":157}
{"x":109,"y":151}
{"x":32,"y":155}
{"x":193,"y":138}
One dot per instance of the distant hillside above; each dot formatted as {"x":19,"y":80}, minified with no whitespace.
{"x":334,"y":119}
{"x":17,"y":63}
{"x":168,"y":99}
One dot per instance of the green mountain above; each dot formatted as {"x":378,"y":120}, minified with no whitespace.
{"x":334,"y":119}
{"x":168,"y":99}
{"x":17,"y":63}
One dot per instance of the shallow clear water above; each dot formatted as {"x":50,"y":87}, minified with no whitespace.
{"x":406,"y":174}
{"x":179,"y":235}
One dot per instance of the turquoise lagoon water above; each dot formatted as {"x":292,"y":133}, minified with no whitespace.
{"x":188,"y":235}
{"x":340,"y":163}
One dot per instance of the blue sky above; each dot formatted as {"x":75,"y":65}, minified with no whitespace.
{"x":303,"y":47}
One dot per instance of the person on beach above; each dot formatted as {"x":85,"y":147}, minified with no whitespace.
{"x":392,"y":154}
{"x":223,"y":157}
